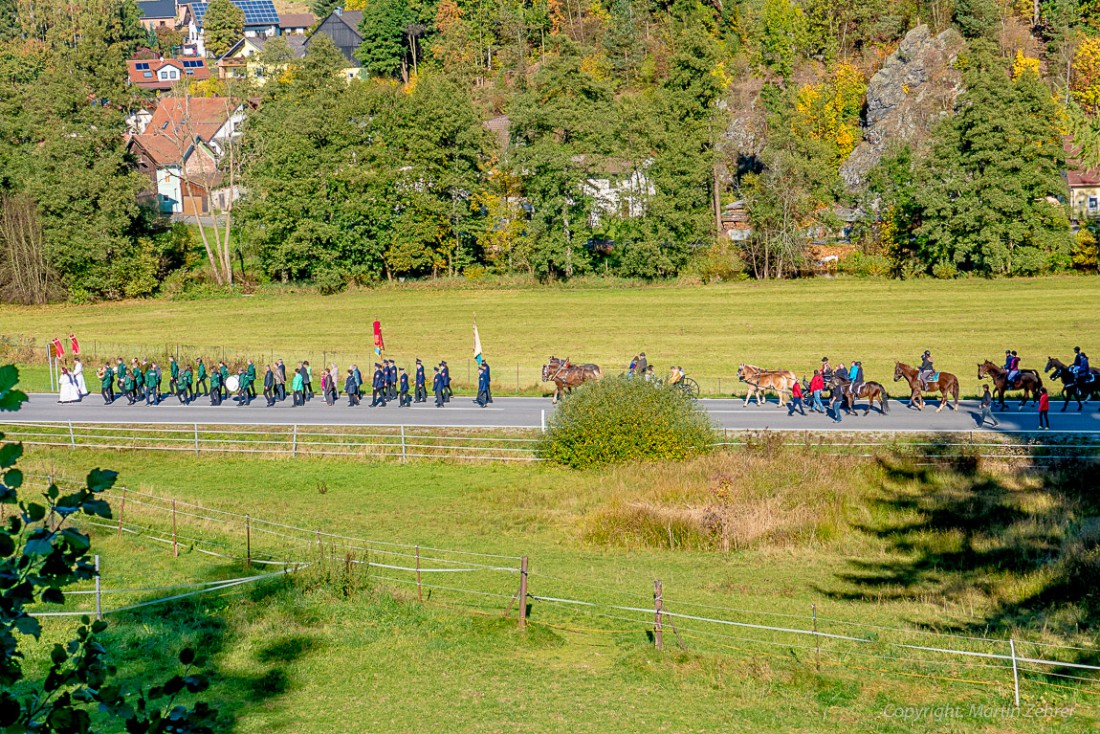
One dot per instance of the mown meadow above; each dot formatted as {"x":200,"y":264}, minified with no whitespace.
{"x":708,"y":330}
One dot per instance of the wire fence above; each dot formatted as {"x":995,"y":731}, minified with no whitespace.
{"x":506,"y":585}
{"x":295,"y":441}
{"x":406,"y":443}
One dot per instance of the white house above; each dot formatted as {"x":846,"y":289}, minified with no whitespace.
{"x":260,"y":20}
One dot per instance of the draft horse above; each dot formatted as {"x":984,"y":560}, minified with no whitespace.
{"x":1028,"y":381}
{"x":760,"y":381}
{"x":565,"y":375}
{"x":946,"y":384}
{"x":841,"y":386}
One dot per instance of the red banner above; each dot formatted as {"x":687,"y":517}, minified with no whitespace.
{"x":379,"y":345}
{"x":58,"y":348}
{"x":74,"y":344}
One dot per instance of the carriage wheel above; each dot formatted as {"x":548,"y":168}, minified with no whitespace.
{"x":690,"y":388}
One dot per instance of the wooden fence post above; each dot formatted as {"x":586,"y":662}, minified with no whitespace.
{"x":294,"y":442}
{"x":523,"y":593}
{"x":248,"y":541}
{"x":658,"y":607}
{"x":404,"y":455}
{"x":121,"y":510}
{"x":419,"y":591}
{"x":72,"y":437}
{"x":175,"y":545}
{"x":98,"y":592}
{"x":542,"y":420}
{"x":196,"y":439}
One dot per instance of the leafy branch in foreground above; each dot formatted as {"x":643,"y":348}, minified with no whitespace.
{"x":41,"y":554}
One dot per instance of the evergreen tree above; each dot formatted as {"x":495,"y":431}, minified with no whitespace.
{"x":988,"y":195}
{"x":383,"y":29}
{"x":223,"y":25}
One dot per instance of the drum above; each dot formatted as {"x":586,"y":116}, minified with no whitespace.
{"x":232,"y":383}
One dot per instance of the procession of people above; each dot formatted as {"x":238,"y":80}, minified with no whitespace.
{"x":141,"y":381}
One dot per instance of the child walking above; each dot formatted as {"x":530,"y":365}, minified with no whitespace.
{"x":1044,"y":410}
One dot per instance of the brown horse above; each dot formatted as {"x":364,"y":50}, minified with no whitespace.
{"x":1029,"y":382}
{"x":946,"y":384}
{"x":872,"y":391}
{"x":565,"y":375}
{"x":760,"y":381}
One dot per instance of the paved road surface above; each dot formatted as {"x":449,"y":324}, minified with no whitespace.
{"x":528,"y":413}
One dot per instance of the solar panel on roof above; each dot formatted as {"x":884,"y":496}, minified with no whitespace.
{"x":192,"y":64}
{"x":256,"y":12}
{"x":142,"y":66}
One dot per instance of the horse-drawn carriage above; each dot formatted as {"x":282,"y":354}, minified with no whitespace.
{"x":678,"y":380}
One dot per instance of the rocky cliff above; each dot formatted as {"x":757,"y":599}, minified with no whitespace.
{"x":914,"y":89}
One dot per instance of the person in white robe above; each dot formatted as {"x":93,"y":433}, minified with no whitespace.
{"x":78,"y":376}
{"x":67,"y":390}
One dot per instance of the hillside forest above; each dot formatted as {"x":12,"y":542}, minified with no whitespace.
{"x":552,"y":139}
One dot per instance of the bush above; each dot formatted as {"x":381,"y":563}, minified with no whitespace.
{"x":623,"y":419}
{"x":329,"y":282}
{"x":865,"y":265}
{"x":945,"y":271}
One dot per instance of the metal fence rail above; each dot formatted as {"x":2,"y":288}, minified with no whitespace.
{"x":511,"y":445}
{"x":401,"y":444}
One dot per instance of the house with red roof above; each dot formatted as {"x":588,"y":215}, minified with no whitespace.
{"x":162,"y":75}
{"x":181,"y":148}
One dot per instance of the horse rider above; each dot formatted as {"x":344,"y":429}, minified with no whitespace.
{"x":642,"y":363}
{"x":1080,"y":366}
{"x":826,"y":369}
{"x":927,"y":369}
{"x":1013,"y":368}
{"x":855,"y":374}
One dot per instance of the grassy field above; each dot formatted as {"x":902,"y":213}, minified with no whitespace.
{"x":709,"y":330}
{"x":963,"y":549}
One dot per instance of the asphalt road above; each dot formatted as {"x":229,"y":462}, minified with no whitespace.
{"x":462,"y":412}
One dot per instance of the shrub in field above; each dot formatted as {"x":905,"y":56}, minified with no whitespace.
{"x":622,"y":419}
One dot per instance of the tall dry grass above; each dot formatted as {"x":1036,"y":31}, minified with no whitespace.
{"x":778,"y":497}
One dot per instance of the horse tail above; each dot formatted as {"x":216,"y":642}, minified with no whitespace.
{"x":885,"y":400}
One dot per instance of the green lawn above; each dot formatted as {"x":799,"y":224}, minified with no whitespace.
{"x":709,"y":330}
{"x":304,"y":657}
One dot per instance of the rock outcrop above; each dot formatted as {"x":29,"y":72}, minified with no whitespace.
{"x":914,"y":89}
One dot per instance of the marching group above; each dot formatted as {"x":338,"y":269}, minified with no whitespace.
{"x":142,"y":381}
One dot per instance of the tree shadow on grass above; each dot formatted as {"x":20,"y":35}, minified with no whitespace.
{"x":1026,"y":540}
{"x":148,"y":641}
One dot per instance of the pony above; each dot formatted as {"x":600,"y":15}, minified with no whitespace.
{"x":565,"y":375}
{"x":760,"y":381}
{"x":946,"y":385}
{"x":841,"y":387}
{"x":1029,"y":382}
{"x":1072,"y":389}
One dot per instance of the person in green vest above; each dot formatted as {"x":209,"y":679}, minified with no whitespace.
{"x":120,"y":377}
{"x":244,"y":390}
{"x":173,"y":376}
{"x":183,"y":387}
{"x":128,"y":385}
{"x":224,"y":369}
{"x":201,"y":388}
{"x":106,"y":383}
{"x":216,"y":387}
{"x":152,"y":396}
{"x":139,"y":380}
{"x":251,"y":372}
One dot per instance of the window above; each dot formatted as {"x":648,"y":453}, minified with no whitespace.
{"x":147,"y":74}
{"x":1094,"y":203}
